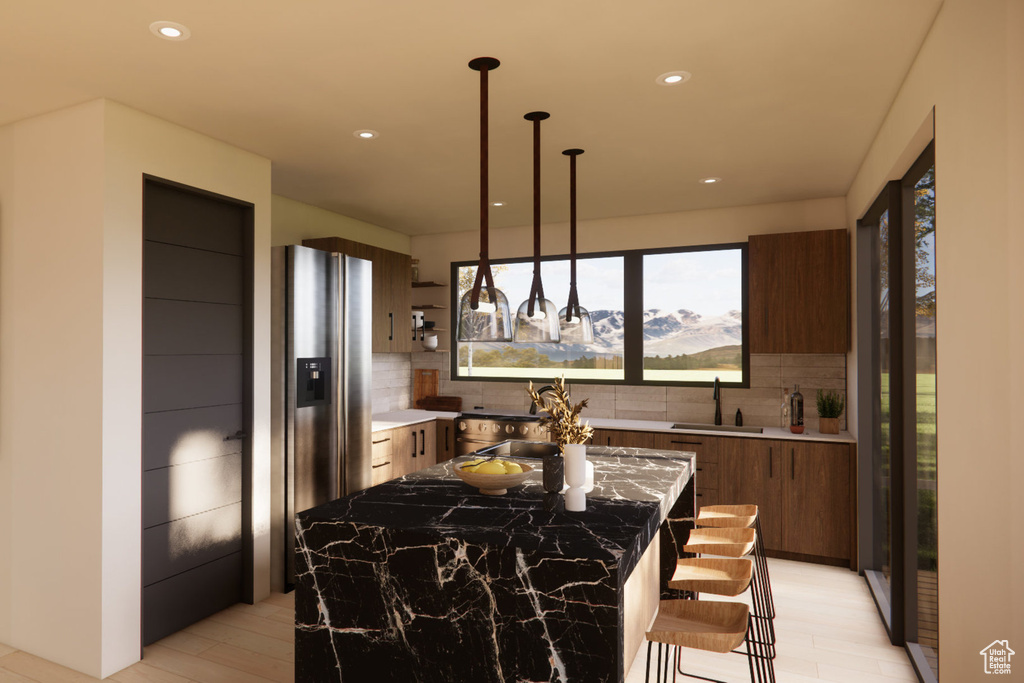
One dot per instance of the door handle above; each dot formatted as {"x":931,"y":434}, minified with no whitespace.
{"x":391,"y":319}
{"x":382,"y":441}
{"x":447,"y":447}
{"x":239,"y":435}
{"x":792,"y":463}
{"x":383,"y":464}
{"x":423,"y":442}
{"x":414,"y":443}
{"x":770,"y":475}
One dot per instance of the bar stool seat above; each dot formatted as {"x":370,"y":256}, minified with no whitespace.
{"x":700,"y":624}
{"x":727,"y":516}
{"x":704,"y":625}
{"x":716,"y":575}
{"x":726,"y":542}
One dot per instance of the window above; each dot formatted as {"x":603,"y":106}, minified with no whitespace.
{"x":667,"y":316}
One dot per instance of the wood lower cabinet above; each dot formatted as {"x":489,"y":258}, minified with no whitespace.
{"x":803,"y":492}
{"x":382,"y":465}
{"x":392,"y":291}
{"x":818,"y":499}
{"x":623,"y":438}
{"x":425,"y":442}
{"x":750,"y":472}
{"x":706,"y":477}
{"x":445,"y":440}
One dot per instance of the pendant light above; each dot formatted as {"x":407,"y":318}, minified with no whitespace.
{"x":484,"y":316}
{"x":537,"y":318}
{"x":574,"y":321}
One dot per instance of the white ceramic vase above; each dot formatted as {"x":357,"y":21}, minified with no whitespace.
{"x":575,"y":476}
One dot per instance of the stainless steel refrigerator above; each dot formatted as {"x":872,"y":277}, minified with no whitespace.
{"x":320,"y":424}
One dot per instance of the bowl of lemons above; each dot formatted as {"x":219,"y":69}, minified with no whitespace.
{"x":492,"y":477}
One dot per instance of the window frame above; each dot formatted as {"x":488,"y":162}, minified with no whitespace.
{"x":633,"y":309}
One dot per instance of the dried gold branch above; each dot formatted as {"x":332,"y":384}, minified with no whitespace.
{"x":563,"y":418}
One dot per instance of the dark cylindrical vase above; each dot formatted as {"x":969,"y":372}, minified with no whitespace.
{"x":554,"y":473}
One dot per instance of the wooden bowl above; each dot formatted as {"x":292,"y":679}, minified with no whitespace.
{"x":492,"y":484}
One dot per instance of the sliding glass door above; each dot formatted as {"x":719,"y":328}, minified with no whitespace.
{"x":897,"y":313}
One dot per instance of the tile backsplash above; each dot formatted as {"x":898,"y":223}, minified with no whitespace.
{"x":761,"y":404}
{"x":391,"y":386}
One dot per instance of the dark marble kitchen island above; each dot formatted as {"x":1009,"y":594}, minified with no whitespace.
{"x":425,"y":579}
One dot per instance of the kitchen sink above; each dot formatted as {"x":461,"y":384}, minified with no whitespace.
{"x":718,"y":428}
{"x":519,"y":449}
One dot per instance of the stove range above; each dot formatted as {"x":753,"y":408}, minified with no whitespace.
{"x":479,"y":429}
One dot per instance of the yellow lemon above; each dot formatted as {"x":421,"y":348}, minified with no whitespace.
{"x":493,"y":467}
{"x":512,"y":468}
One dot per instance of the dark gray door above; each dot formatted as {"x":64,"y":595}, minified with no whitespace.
{"x":195,"y":405}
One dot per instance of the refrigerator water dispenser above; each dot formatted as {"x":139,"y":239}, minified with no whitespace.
{"x":312,"y":382}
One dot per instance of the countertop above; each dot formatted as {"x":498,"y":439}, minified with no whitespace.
{"x":404,"y":418}
{"x":633,"y":491}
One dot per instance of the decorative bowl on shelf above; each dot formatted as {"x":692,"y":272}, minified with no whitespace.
{"x":491,"y":484}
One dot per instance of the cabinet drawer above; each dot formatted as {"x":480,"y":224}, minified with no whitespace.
{"x":703,"y":446}
{"x":707,"y":497}
{"x":381,"y":447}
{"x":381,"y":472}
{"x":707,"y":475}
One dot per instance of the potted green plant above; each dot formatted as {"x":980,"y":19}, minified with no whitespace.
{"x":830,"y":407}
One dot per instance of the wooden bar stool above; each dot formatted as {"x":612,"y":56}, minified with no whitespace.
{"x":718,"y":519}
{"x":704,"y":625}
{"x":734,"y":516}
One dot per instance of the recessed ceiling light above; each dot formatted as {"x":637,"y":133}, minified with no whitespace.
{"x":673,"y":78}
{"x":499,"y":204}
{"x":169,"y":30}
{"x":366,"y":134}
{"x":710,"y":180}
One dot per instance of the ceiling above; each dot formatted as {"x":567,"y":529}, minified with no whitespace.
{"x":785,"y":98}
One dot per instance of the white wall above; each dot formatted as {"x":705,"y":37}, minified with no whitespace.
{"x":969,"y":70}
{"x":71,"y":288}
{"x":51,"y":364}
{"x":294,"y":221}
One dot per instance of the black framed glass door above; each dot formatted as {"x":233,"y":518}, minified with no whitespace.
{"x":897,"y":382}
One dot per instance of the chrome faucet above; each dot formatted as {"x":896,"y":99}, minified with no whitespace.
{"x":540,"y":392}
{"x":718,"y":402}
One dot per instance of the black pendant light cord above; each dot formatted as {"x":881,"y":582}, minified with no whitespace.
{"x":483,"y":270}
{"x":537,"y":288}
{"x":573,"y":307}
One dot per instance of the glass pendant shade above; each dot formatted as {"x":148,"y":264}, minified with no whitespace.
{"x":490,"y":322}
{"x":539,"y":328}
{"x":576,"y":330}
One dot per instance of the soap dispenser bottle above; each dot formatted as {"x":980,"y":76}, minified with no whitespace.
{"x":796,"y":411}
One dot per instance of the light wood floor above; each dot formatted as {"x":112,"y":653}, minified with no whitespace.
{"x":827,"y":627}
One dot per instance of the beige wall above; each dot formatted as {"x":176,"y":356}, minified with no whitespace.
{"x":294,"y":221}
{"x":711,"y":226}
{"x":51,"y":364}
{"x":71,"y":288}
{"x":969,"y":70}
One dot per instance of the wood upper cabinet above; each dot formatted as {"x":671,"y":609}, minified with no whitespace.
{"x":799,"y":292}
{"x":392,"y":291}
{"x":445,"y":440}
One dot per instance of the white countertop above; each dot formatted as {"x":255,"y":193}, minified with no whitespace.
{"x":404,"y":418}
{"x":768,"y":433}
